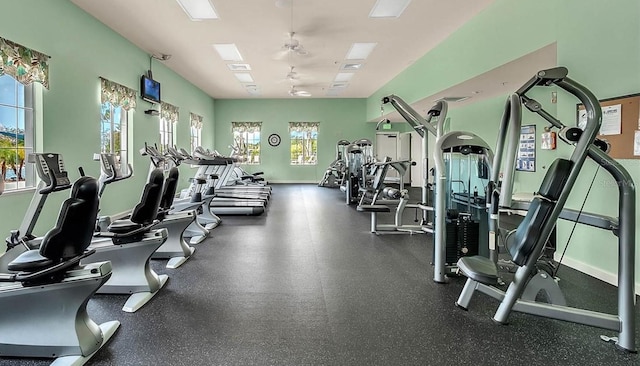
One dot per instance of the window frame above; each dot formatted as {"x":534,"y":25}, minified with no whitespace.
{"x":167,"y":133}
{"x":195,"y":137}
{"x":24,"y":104}
{"x":307,"y":158}
{"x":248,"y":134}
{"x":123,"y":153}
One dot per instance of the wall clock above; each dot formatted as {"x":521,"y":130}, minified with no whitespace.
{"x":274,"y":139}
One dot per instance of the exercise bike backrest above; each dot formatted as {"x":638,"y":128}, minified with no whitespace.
{"x":75,"y":226}
{"x":147,"y":209}
{"x":170,"y":187}
{"x":67,"y":241}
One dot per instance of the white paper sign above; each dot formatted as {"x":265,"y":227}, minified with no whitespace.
{"x":611,"y":120}
{"x":636,"y":144}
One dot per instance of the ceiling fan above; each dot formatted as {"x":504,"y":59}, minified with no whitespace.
{"x":294,"y":76}
{"x":298,"y":93}
{"x":291,"y":47}
{"x":294,"y":46}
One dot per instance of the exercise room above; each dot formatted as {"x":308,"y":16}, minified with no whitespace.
{"x":297,"y":182}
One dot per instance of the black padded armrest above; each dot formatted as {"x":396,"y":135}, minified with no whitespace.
{"x":258,"y":173}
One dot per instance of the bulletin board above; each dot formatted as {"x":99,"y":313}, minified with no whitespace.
{"x":625,"y":137}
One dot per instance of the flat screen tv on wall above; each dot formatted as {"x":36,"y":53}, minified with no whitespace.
{"x":149,"y":89}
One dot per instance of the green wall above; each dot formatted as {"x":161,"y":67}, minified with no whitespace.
{"x":596,"y":40}
{"x":339,"y":119}
{"x":82,"y":49}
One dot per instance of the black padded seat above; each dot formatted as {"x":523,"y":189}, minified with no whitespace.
{"x":123,"y":226}
{"x":169,"y":190}
{"x":146,"y":211}
{"x":479,"y":269}
{"x":69,"y":239}
{"x":373,"y":208}
{"x":30,"y":261}
{"x":201,"y":181}
{"x":213,"y":176}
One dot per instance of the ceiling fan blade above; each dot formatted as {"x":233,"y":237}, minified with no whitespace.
{"x":300,"y":51}
{"x":301,"y":93}
{"x":281,"y":55}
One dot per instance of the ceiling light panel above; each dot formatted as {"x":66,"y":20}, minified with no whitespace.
{"x":198,"y":9}
{"x":252,"y":89}
{"x":360,"y":51}
{"x":351,"y":66}
{"x":228,"y":51}
{"x":239,"y":67}
{"x":388,"y":8}
{"x":244,"y":77}
{"x":343,"y":77}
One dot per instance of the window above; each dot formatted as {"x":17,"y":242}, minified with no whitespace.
{"x":304,"y":143}
{"x":114,"y":128}
{"x":166,"y":134}
{"x":115,"y":103}
{"x":246,"y":141}
{"x":168,"y":117}
{"x":196,"y":131}
{"x":17,"y":136}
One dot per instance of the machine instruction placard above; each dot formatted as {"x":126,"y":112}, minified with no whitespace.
{"x":527,"y":149}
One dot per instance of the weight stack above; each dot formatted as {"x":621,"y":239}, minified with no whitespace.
{"x":452,"y":248}
{"x":468,"y":237}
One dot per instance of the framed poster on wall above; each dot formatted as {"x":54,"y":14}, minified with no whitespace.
{"x":526,"y":161}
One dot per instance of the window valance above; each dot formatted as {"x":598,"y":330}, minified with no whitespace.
{"x":23,"y":64}
{"x":196,"y":121}
{"x":169,"y":112}
{"x":304,"y":126}
{"x":246,"y":126}
{"x":116,"y":94}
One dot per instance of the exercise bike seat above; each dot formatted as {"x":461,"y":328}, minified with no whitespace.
{"x":30,"y":261}
{"x":479,"y":269}
{"x":123,"y":226}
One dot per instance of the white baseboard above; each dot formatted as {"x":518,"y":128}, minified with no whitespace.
{"x":592,"y":271}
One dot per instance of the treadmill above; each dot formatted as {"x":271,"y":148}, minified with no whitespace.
{"x":218,"y":205}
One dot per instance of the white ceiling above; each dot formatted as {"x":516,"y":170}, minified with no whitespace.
{"x":326,"y":29}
